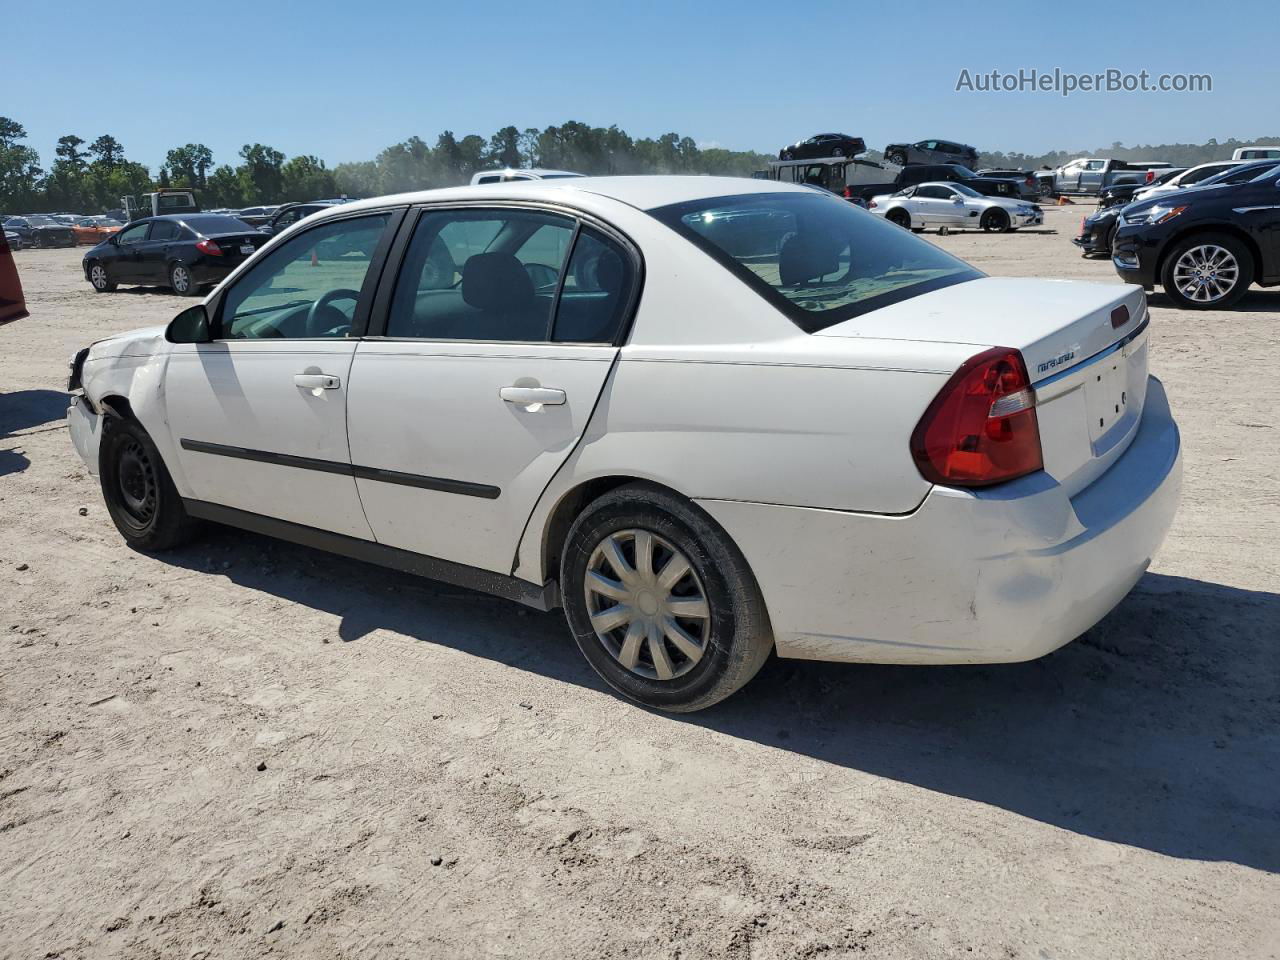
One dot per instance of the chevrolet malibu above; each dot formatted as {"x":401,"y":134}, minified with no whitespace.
{"x":710,"y":418}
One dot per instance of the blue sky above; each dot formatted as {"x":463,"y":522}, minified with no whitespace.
{"x":341,"y":80}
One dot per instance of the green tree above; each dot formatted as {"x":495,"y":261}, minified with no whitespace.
{"x":189,"y":165}
{"x":223,"y":188}
{"x":19,"y":169}
{"x":107,"y":151}
{"x":260,"y":178}
{"x":69,"y":153}
{"x":504,"y":148}
{"x":306,"y":178}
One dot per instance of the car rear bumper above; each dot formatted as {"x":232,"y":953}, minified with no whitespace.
{"x":994,"y":576}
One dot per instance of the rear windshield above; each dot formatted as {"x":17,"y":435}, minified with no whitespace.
{"x":818,"y":259}
{"x":215,"y":224}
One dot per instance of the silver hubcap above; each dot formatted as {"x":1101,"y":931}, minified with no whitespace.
{"x":98,"y":276}
{"x":647,"y":606}
{"x":180,"y":279}
{"x":1206,"y":273}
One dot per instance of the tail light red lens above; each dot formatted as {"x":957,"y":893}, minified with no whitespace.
{"x":209,"y":247}
{"x":1151,"y":175}
{"x":848,"y":193}
{"x":981,"y":428}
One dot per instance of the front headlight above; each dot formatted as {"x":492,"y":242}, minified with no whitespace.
{"x":1160,"y":213}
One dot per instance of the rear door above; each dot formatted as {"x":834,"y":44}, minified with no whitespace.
{"x":259,"y":415}
{"x":153,"y":253}
{"x":496,"y":339}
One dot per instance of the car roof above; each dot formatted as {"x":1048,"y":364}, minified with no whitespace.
{"x":642,"y":192}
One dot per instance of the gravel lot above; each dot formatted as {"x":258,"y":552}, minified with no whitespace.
{"x":247,"y":748}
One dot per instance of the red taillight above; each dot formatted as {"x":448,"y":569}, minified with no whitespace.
{"x":1030,"y":181}
{"x":848,"y":193}
{"x":209,"y":247}
{"x":1119,"y":316}
{"x":981,"y":428}
{"x":1151,"y":175}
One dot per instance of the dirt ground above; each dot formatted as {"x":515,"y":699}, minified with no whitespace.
{"x":247,"y":748}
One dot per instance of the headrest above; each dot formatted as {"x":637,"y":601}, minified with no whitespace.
{"x":496,"y":282}
{"x":805,"y":258}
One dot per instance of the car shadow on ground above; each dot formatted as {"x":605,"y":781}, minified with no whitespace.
{"x":24,"y":409}
{"x":1156,"y":729}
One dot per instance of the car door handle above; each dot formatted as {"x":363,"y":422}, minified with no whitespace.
{"x":316,"y":381}
{"x":529,"y":396}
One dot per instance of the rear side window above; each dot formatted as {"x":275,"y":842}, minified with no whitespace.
{"x":818,"y":259}
{"x":164,"y":230}
{"x":520,"y":276}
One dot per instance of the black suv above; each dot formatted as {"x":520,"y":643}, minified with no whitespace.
{"x":1204,"y":245}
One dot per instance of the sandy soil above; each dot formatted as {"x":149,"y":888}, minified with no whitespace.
{"x":247,"y":748}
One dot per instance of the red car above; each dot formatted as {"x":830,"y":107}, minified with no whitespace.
{"x":13,"y":306}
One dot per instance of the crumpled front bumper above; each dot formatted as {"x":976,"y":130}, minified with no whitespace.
{"x":86,"y":431}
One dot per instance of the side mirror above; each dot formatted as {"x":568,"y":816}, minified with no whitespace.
{"x":957,"y":200}
{"x":190,"y":326}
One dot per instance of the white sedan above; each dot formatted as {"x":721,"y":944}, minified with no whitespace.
{"x":711,"y":418}
{"x":955,"y":206}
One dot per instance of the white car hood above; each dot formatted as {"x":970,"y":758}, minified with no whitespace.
{"x":145,"y":342}
{"x":1053,"y":322}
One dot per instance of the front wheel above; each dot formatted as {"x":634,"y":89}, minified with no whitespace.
{"x":1207,"y":271}
{"x":995,"y":220}
{"x":660,"y":600}
{"x":897,"y":158}
{"x":140,"y":495}
{"x":181,"y":281}
{"x":99,"y":279}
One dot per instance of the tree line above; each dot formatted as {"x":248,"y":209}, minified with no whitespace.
{"x":89,"y":176}
{"x":86,"y":177}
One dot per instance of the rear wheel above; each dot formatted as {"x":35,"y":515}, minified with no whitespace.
{"x":787,"y":155}
{"x":99,"y":279}
{"x":182,"y":282}
{"x":1207,"y":271}
{"x":900,"y":217}
{"x":140,"y":495}
{"x":838,"y":152}
{"x":995,"y":220}
{"x":660,"y":600}
{"x":897,"y":157}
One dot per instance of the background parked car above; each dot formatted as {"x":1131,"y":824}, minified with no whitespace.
{"x":1188,"y":178}
{"x":955,"y":206}
{"x":1097,"y":231}
{"x":847,"y":177}
{"x":1260,"y":152}
{"x":47,"y":232}
{"x":931,"y":151}
{"x":257,"y":216}
{"x":1207,"y":244}
{"x":1118,"y":194}
{"x":916,"y":173}
{"x":512,"y":175}
{"x":92,"y":230}
{"x":824,"y":145}
{"x":1092,"y":175}
{"x":14,"y":240}
{"x":183,"y":251}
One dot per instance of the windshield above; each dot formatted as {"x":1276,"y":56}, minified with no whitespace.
{"x":818,"y":259}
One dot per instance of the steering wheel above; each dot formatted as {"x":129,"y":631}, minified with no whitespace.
{"x":320,"y":318}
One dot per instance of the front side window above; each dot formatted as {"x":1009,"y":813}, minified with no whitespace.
{"x":933,"y":193}
{"x":818,"y":259}
{"x":134,"y":234}
{"x":308,"y":287}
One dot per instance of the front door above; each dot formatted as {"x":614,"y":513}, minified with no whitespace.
{"x":500,"y":333}
{"x":259,"y":415}
{"x":153,"y":253}
{"x":127,"y":265}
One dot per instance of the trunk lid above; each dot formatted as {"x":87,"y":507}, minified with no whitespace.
{"x":238,"y":246}
{"x":1090,"y":376}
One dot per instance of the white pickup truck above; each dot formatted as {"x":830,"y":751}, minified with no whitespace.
{"x":1092,"y":175}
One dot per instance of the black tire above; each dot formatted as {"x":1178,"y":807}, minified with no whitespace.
{"x":140,"y":495}
{"x":1243,"y":275}
{"x":897,"y":157}
{"x":787,"y":155}
{"x":35,"y":240}
{"x":838,"y":152}
{"x":182,"y":282}
{"x":99,"y":279}
{"x":737,"y":639}
{"x":900,"y":217}
{"x":1045,"y":188}
{"x":996,"y":220}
